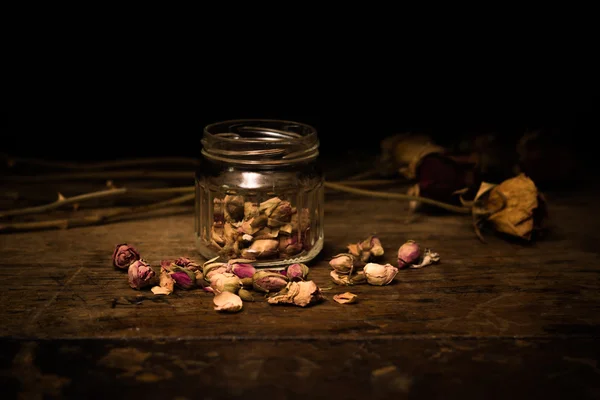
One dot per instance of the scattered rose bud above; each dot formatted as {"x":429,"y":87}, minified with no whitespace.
{"x":338,"y":279}
{"x":184,"y":278}
{"x":345,"y":298}
{"x":140,"y":274}
{"x":380,"y":274}
{"x":342,"y":263}
{"x":247,"y":282}
{"x":124,"y":255}
{"x":262,"y":248}
{"x":243,"y":270}
{"x":429,"y":258}
{"x":246,"y":295}
{"x":214,"y":268}
{"x":266,"y":281}
{"x":297,"y":272}
{"x":227,"y":302}
{"x":225,"y":282}
{"x":408,"y":253}
{"x":300,"y":294}
{"x":187,"y":263}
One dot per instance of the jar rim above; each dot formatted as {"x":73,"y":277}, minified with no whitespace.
{"x":260,"y":141}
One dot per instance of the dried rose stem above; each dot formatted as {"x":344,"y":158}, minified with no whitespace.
{"x":91,"y":196}
{"x":398,"y":196}
{"x":11,"y":160}
{"x":107,"y":216}
{"x":103,"y":175}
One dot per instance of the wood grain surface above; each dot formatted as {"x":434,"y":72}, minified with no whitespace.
{"x":500,"y":319}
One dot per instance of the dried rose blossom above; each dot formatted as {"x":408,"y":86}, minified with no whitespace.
{"x":247,"y":282}
{"x":250,"y":210}
{"x":289,"y":245}
{"x":428,"y":258}
{"x":297,"y":272}
{"x":267,"y":207}
{"x":380,"y":274}
{"x":243,"y":270}
{"x":227,"y":302}
{"x":338,"y":279}
{"x":234,"y":208}
{"x":124,"y":255}
{"x":266,"y":281}
{"x":408,"y":253}
{"x":184,"y":278}
{"x":301,"y":294}
{"x":261,"y":248}
{"x":342,"y":263}
{"x":225,"y":282}
{"x":345,"y":298}
{"x":281,"y":215}
{"x":140,"y":274}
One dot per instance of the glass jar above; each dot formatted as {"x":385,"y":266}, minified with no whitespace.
{"x":259,"y":192}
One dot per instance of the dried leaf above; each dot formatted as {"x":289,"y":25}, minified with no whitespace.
{"x":301,"y":294}
{"x":345,"y":298}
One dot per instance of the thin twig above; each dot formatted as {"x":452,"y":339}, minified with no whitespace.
{"x":398,"y":196}
{"x":11,"y":160}
{"x":102,"y":175}
{"x":107,"y":216}
{"x":92,"y":196}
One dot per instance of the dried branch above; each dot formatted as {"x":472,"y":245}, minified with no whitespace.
{"x":100,"y":217}
{"x":12,"y":161}
{"x":62,"y":201}
{"x":397,"y":196}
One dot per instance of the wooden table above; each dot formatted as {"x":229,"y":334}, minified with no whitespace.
{"x":495,"y":320}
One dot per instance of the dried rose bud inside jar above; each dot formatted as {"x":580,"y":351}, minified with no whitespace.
{"x":259,"y":192}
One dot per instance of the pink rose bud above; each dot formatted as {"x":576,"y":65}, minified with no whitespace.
{"x":243,"y":270}
{"x":183,"y":277}
{"x":380,"y":275}
{"x":187,"y":263}
{"x":408,"y":253}
{"x":342,"y":263}
{"x":289,"y":244}
{"x":124,"y":255}
{"x":297,"y":272}
{"x":140,"y":274}
{"x":266,"y":281}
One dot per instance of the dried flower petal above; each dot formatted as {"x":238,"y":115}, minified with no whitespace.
{"x":345,"y":298}
{"x":234,"y":208}
{"x":140,"y":274}
{"x":187,"y":263}
{"x":243,"y":270}
{"x":124,"y":255}
{"x":380,"y":274}
{"x":250,"y":210}
{"x":261,"y":248}
{"x":166,"y":283}
{"x":300,"y":294}
{"x":267,"y":207}
{"x":225,"y":282}
{"x":214,"y":268}
{"x":297,"y":272}
{"x":340,"y":279}
{"x":227,"y":302}
{"x":429,"y":258}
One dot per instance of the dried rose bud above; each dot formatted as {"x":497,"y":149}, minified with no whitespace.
{"x":247,"y":282}
{"x":246,"y":295}
{"x":301,"y":294}
{"x":217,"y":235}
{"x":124,"y":255}
{"x":234,"y":208}
{"x":359,"y":278}
{"x":376,"y":247}
{"x":227,"y":302}
{"x":243,"y":270}
{"x":200,"y":281}
{"x":289,"y":244}
{"x":354,"y":250}
{"x":281,"y":215}
{"x":184,"y":278}
{"x":379,"y":274}
{"x":261,"y":248}
{"x":225,"y":282}
{"x":166,"y":283}
{"x":343,"y":280}
{"x":342,"y":263}
{"x":266,"y":281}
{"x":187,"y":263}
{"x":297,"y":272}
{"x":140,"y":274}
{"x":267,"y":207}
{"x":214,"y":268}
{"x":408,"y":253}
{"x":250,"y":210}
